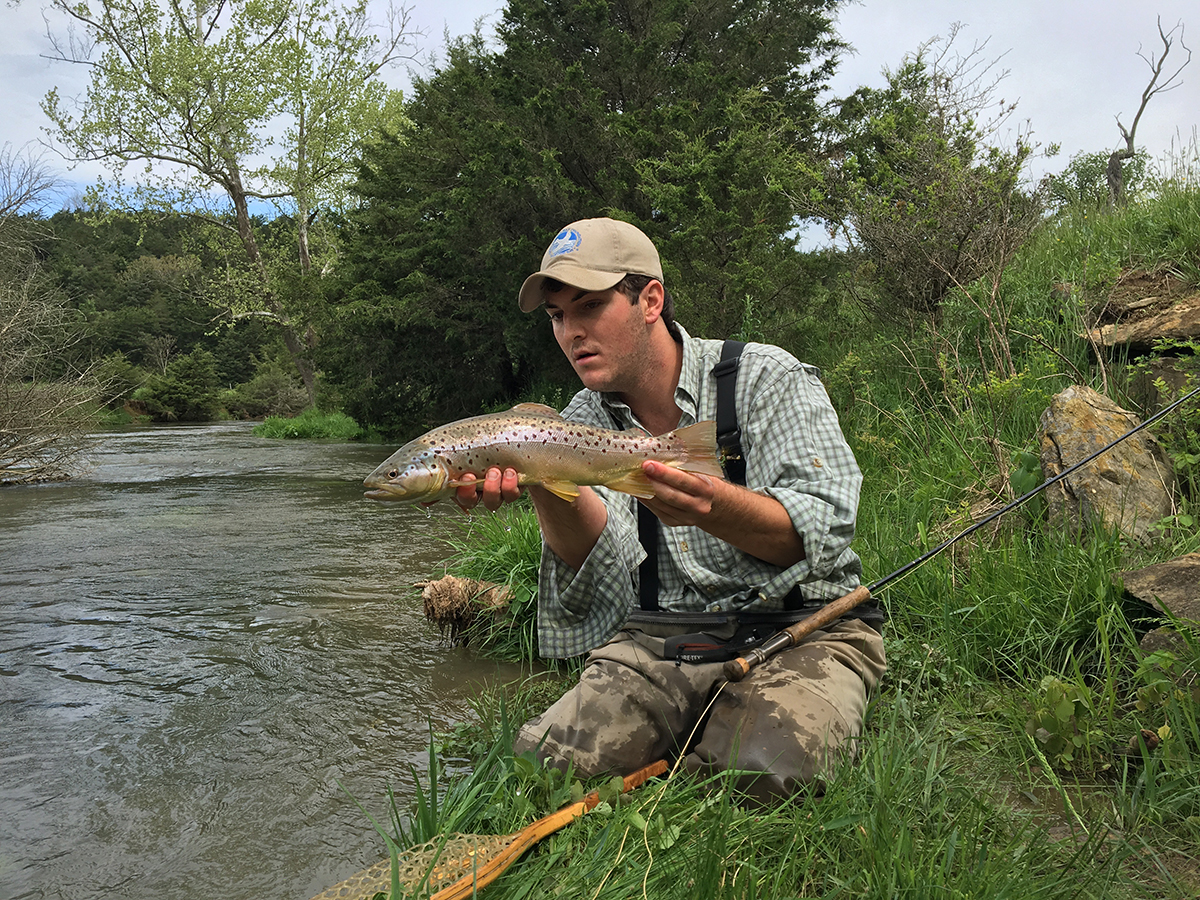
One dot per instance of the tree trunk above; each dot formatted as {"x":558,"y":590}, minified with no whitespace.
{"x":291,"y":340}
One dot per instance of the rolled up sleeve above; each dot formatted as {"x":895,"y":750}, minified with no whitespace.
{"x":799,"y":457}
{"x":579,"y":611}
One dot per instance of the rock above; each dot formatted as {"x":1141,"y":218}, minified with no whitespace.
{"x":1172,"y":586}
{"x":1181,"y":321}
{"x":1131,"y":487}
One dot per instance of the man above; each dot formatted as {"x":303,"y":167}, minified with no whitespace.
{"x":730,"y":559}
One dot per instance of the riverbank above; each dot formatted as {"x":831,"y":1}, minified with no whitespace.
{"x":951,"y":795}
{"x":1023,"y":743}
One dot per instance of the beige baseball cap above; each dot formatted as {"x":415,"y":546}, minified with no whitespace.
{"x":592,"y":255}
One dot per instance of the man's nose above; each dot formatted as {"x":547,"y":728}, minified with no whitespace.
{"x":573,"y":327}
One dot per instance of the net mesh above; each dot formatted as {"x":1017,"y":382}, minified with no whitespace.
{"x":445,"y":861}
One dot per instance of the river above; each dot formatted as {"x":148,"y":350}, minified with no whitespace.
{"x":210,"y":652}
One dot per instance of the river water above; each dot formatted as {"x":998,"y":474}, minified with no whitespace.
{"x":208,"y":646}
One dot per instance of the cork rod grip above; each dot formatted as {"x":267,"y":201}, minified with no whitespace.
{"x":737,"y":669}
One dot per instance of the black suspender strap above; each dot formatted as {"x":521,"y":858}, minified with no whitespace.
{"x":648,"y":570}
{"x":729,"y":440}
{"x":729,"y":435}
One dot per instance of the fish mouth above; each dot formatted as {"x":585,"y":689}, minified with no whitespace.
{"x":383,"y":494}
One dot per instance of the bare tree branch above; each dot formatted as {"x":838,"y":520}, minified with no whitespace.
{"x":1115,"y":174}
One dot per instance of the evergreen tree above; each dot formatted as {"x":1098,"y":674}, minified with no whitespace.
{"x":689,"y":118}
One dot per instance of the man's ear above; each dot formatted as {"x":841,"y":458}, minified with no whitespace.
{"x":652,"y":298}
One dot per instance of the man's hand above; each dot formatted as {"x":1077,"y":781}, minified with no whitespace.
{"x":570,"y":528}
{"x":680,"y":498}
{"x":497,"y":488}
{"x":756,"y":523}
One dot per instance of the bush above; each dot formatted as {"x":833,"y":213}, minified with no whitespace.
{"x":273,"y":391}
{"x":187,"y":392}
{"x":312,"y":424}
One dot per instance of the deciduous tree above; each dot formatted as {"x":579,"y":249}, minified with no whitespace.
{"x":265,"y":100}
{"x":919,"y":183}
{"x":44,"y":401}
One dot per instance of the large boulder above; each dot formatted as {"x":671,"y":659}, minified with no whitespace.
{"x":1131,"y":487}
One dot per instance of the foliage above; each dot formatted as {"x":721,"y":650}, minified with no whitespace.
{"x":1083,"y":182}
{"x":46,"y":391}
{"x":311,"y":424}
{"x":1179,"y":435}
{"x":188,"y":391}
{"x":918,"y":190}
{"x":267,"y":101}
{"x":1060,"y":723}
{"x":273,"y":391}
{"x":504,"y":548}
{"x":45,"y":407}
{"x":685,"y":117}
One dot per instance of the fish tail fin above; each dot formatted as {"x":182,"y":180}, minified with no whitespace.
{"x":700,"y":446}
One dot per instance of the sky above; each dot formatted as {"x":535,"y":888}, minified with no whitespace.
{"x":1072,"y":65}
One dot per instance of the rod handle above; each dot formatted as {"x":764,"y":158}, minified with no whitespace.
{"x":737,"y":669}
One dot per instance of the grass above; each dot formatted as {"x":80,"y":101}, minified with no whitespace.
{"x":1022,"y":743}
{"x":502,"y":549}
{"x":312,"y":424}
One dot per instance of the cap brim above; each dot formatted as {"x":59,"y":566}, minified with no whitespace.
{"x":577,"y":277}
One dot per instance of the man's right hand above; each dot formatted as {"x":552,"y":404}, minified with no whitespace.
{"x":497,"y":488}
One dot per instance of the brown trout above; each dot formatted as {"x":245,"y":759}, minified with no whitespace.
{"x":544,"y":449}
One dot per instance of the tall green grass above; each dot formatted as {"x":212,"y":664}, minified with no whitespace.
{"x":504,"y":548}
{"x":312,"y":424}
{"x":1022,"y":743}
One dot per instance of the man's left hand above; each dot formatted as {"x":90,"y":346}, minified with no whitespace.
{"x":750,"y":521}
{"x":680,"y":498}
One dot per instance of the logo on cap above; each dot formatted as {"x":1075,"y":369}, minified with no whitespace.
{"x":566,"y":241}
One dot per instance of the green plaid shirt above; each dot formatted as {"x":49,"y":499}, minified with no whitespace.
{"x":795,"y":452}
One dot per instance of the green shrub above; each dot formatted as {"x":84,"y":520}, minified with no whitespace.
{"x":189,"y":390}
{"x":275,"y":390}
{"x":312,"y":424}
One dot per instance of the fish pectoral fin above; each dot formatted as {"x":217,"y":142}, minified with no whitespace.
{"x":567,"y":490}
{"x":635,"y":483}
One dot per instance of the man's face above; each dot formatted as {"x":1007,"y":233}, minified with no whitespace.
{"x":604,"y":336}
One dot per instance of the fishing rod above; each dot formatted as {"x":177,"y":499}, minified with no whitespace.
{"x":737,"y":669}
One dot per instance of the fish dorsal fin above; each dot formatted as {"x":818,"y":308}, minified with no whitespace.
{"x":536,"y":409}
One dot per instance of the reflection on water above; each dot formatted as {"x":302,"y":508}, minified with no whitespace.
{"x":205,"y":645}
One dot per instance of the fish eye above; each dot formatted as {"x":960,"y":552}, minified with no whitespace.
{"x":393,"y":473}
